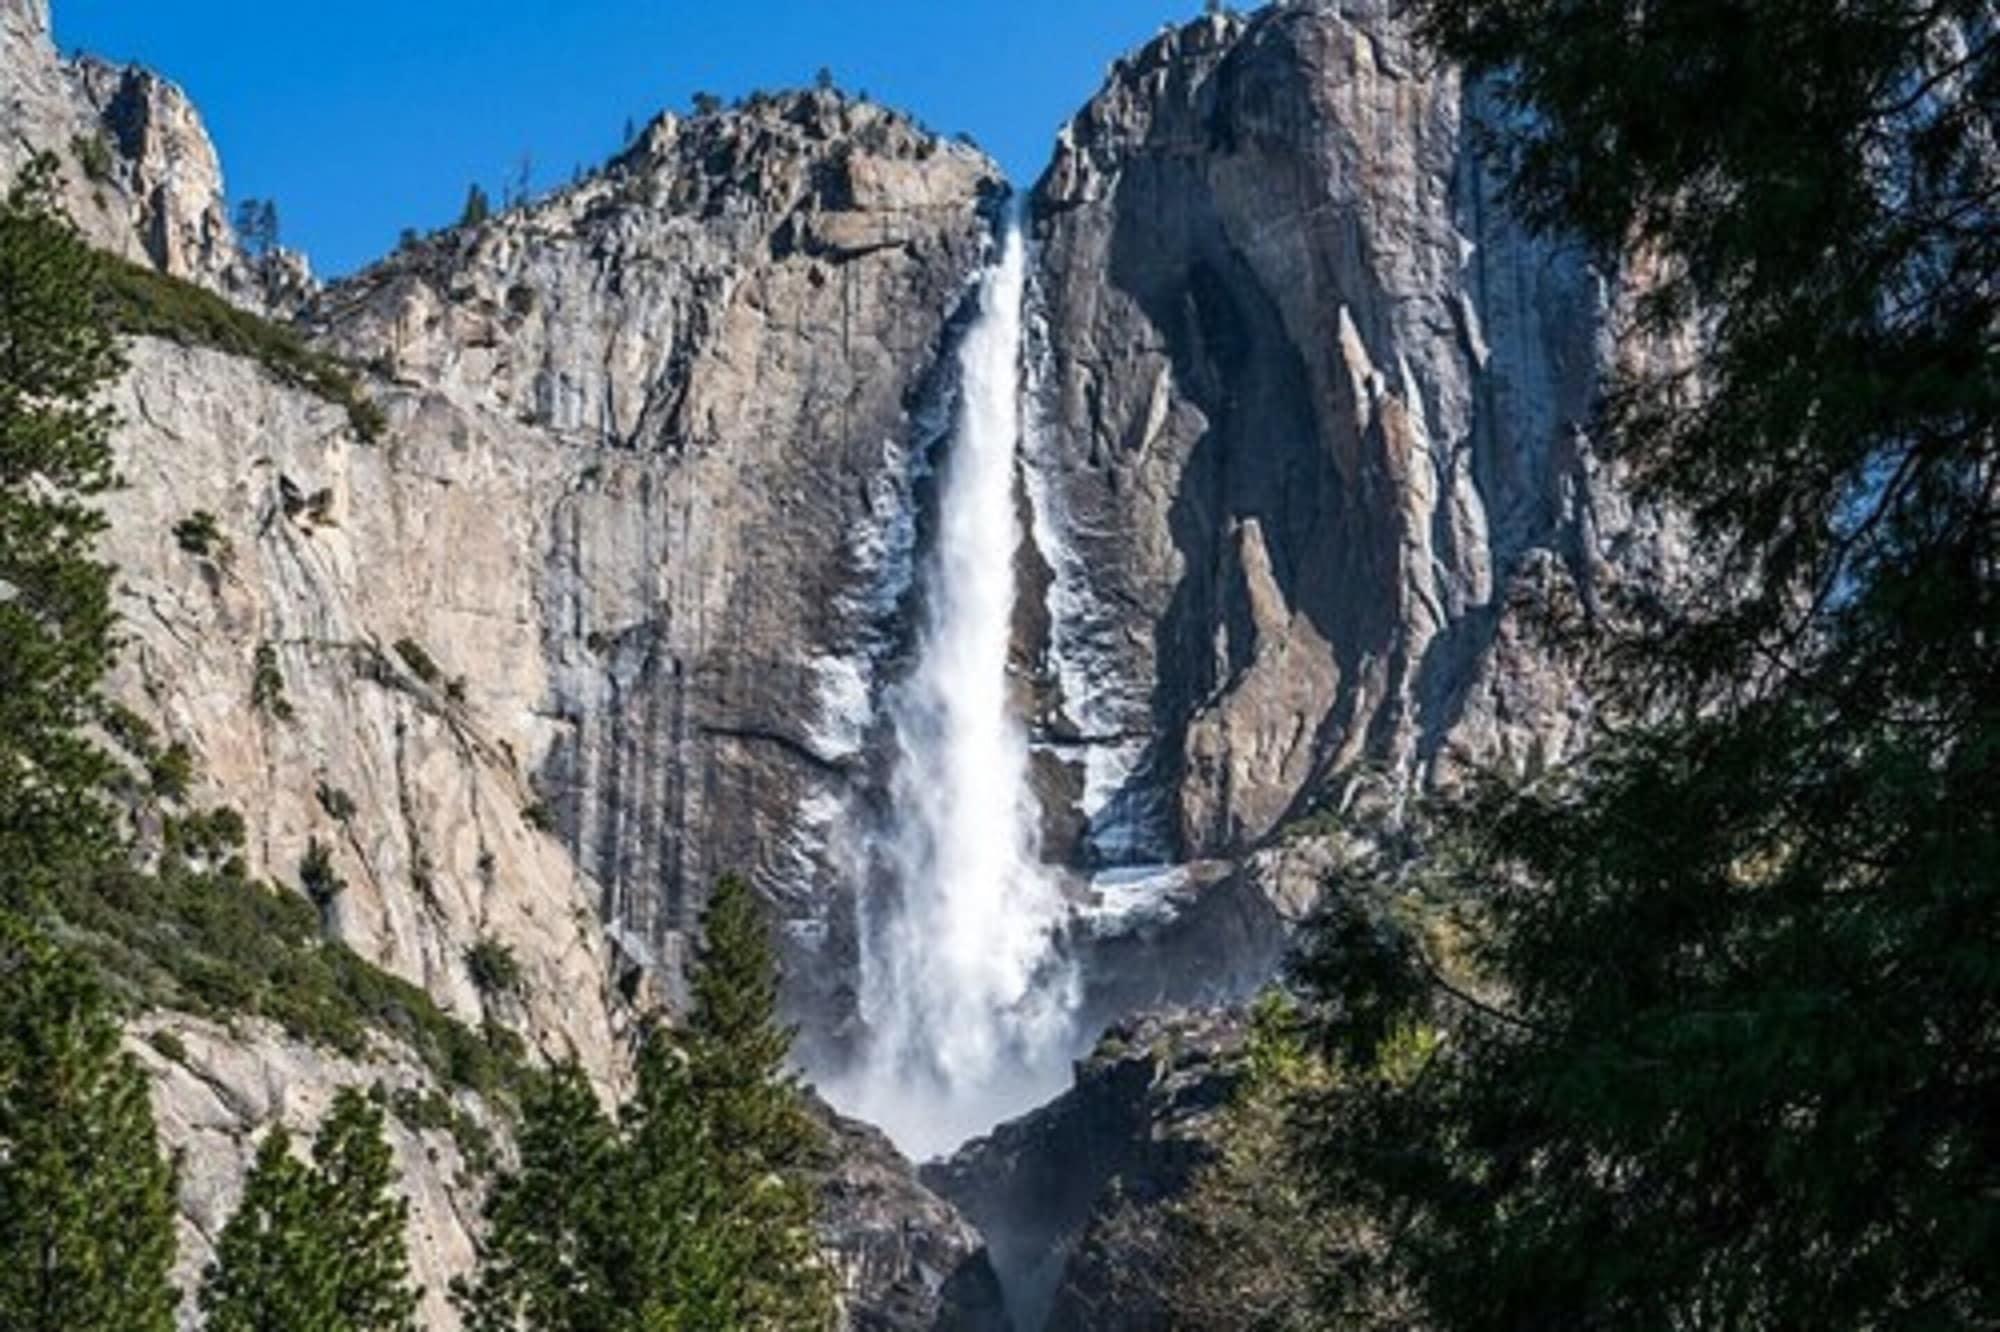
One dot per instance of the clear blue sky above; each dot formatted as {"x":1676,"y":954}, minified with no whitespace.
{"x":362,"y":117}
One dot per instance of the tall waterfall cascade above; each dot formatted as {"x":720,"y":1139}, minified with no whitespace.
{"x":966,"y":997}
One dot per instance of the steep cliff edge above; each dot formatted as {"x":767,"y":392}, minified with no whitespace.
{"x":1312,"y":412}
{"x":576,"y":634}
{"x":711,"y":355}
{"x":140,"y":175}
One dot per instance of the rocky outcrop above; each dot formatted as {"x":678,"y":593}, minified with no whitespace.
{"x":908,"y":1261}
{"x":140,"y":175}
{"x":1052,"y":1190}
{"x":217,"y":1090}
{"x":284,"y":657}
{"x":1311,"y":441}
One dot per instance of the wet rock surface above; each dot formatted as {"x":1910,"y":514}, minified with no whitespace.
{"x":1046,"y":1188}
{"x":909,"y":1261}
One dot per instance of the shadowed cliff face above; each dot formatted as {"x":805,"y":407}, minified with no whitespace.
{"x":1050,"y":1189}
{"x":1312,"y":408}
{"x":1310,"y":451}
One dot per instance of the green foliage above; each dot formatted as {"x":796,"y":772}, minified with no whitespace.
{"x":478,"y":208}
{"x":1724,"y":1050}
{"x":151,"y":304}
{"x":1250,"y":1246}
{"x":128,"y":730}
{"x":539,"y":816}
{"x":553,"y":1224}
{"x":203,"y":838}
{"x":321,"y":882}
{"x":495,"y":971}
{"x":271,"y":1267}
{"x":267,"y":684}
{"x":87,"y":1225}
{"x":363,"y":1218}
{"x":93,"y":154}
{"x":421,"y":1110}
{"x":201,"y":937}
{"x":419,"y":661}
{"x":694,"y":1209}
{"x":319,"y":1248}
{"x":705,"y":104}
{"x":338,"y":804}
{"x":200,"y":534}
{"x":171,"y":772}
{"x":56,"y":617}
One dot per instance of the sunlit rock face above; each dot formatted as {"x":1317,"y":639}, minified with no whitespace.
{"x":641,"y":509}
{"x":715,"y":354}
{"x":1312,"y":414}
{"x":138,"y":171}
{"x":1301,"y":439}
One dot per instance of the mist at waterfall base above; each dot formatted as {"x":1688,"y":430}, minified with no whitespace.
{"x":965,"y":996}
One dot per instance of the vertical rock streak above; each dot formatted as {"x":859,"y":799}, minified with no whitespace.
{"x":964,"y":992}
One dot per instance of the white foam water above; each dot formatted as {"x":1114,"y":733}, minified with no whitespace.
{"x":966,"y":997}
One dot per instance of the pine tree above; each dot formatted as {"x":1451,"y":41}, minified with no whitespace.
{"x":677,"y":1265}
{"x":56,"y":356}
{"x":86,"y":1197}
{"x":316,"y":1248}
{"x":1248,"y":1246}
{"x":761,"y":1138}
{"x":257,"y":226}
{"x":1724,"y":1048}
{"x":354,"y":1180}
{"x":272,"y":1270}
{"x":477,"y":208}
{"x":694,"y":1211}
{"x":553,"y":1225}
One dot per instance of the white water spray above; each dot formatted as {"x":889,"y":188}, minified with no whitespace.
{"x":966,"y":998}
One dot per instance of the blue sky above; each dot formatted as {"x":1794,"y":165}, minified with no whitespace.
{"x":363,"y":117}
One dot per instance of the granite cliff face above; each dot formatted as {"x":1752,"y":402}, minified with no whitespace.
{"x":577,"y":633}
{"x":139,"y":173}
{"x":1311,"y":437}
{"x":615,"y":603}
{"x":703,"y":368}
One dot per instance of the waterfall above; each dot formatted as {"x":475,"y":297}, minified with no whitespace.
{"x":965,"y":996}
